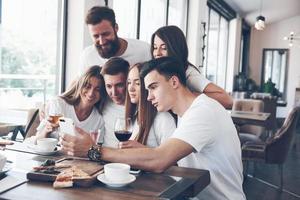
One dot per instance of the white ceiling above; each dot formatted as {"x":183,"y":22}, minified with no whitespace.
{"x":272,"y":10}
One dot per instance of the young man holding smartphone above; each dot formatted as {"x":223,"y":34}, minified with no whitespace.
{"x":204,"y":130}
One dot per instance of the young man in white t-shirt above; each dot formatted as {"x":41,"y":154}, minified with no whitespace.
{"x":205,"y":137}
{"x":103,"y":29}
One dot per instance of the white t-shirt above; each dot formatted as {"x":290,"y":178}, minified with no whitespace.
{"x":162,"y":128}
{"x":209,"y":129}
{"x":93,"y":122}
{"x":195,"y":81}
{"x":110,"y":113}
{"x":136,"y":51}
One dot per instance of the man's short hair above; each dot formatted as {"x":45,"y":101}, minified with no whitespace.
{"x":114,"y":66}
{"x":98,"y":13}
{"x":165,"y":66}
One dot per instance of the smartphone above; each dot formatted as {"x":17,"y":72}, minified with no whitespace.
{"x":66,"y":125}
{"x":134,"y":171}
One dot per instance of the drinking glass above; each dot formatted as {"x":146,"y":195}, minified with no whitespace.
{"x":55,"y":112}
{"x":123,"y":129}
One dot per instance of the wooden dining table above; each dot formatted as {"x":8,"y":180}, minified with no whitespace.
{"x":175,"y":183}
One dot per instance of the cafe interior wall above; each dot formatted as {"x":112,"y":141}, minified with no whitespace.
{"x":272,"y":37}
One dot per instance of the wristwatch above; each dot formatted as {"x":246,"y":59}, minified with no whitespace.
{"x":94,"y":152}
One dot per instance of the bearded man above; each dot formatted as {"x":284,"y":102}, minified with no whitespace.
{"x":103,"y":29}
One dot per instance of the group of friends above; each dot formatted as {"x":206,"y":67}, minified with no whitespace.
{"x":179,"y":116}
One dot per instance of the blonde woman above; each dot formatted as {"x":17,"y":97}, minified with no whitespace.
{"x":82,"y":102}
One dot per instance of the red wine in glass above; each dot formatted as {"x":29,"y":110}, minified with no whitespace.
{"x":123,"y":129}
{"x":123,"y":135}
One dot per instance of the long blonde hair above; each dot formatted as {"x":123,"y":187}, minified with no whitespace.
{"x":72,"y":95}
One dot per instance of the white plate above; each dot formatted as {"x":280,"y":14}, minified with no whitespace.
{"x":102,"y":178}
{"x":38,"y":151}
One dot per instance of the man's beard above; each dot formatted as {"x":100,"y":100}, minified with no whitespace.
{"x":113,"y":48}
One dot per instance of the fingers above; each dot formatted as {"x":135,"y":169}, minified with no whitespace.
{"x":80,"y":131}
{"x":124,"y":145}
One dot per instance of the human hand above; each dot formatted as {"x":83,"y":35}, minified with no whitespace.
{"x":130,"y":144}
{"x":77,"y":145}
{"x":48,"y":128}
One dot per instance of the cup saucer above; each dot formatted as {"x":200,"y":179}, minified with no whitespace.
{"x":103,"y":179}
{"x":39,"y":151}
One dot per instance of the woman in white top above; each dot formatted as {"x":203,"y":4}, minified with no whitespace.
{"x":170,"y":41}
{"x":83,"y":102}
{"x":150,"y":127}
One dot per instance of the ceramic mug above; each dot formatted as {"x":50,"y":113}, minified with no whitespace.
{"x":46,"y":144}
{"x":116,"y":172}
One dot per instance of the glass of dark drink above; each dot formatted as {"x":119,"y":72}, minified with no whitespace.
{"x":123,"y":129}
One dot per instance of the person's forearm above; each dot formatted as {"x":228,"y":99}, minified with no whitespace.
{"x":222,"y":97}
{"x":141,"y":158}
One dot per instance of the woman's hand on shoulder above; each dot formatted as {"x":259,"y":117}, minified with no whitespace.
{"x":130,"y":144}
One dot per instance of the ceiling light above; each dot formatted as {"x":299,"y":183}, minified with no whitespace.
{"x":260,"y":20}
{"x":260,"y":23}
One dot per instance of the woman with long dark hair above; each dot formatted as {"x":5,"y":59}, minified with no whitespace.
{"x":151,"y":128}
{"x":170,"y":41}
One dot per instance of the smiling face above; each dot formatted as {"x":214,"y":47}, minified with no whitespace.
{"x":105,"y":38}
{"x":115,"y":86}
{"x":159,"y":48}
{"x":160,"y":91}
{"x":133,"y":85}
{"x":90,"y":93}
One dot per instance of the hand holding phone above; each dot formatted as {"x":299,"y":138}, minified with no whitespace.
{"x":66,"y":126}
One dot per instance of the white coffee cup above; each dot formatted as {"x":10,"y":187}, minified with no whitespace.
{"x":2,"y":161}
{"x":116,"y":172}
{"x":46,"y":144}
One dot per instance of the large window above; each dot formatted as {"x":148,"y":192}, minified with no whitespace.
{"x":30,"y":49}
{"x":141,"y":21}
{"x":217,"y":45}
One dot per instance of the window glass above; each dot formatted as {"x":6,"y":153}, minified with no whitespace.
{"x":29,"y":48}
{"x":217,"y":48}
{"x":222,"y":54}
{"x":178,"y":13}
{"x":212,"y":47}
{"x":153,"y":16}
{"x":126,"y":17}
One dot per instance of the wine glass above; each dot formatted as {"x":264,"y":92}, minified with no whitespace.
{"x":55,"y":111}
{"x":123,"y":129}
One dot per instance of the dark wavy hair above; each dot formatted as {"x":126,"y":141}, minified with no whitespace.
{"x":175,"y":42}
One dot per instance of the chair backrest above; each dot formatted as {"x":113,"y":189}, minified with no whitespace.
{"x":251,"y":105}
{"x":278,"y":146}
{"x":32,"y":122}
{"x":270,"y":106}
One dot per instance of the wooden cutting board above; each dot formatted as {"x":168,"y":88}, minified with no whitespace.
{"x":90,"y":167}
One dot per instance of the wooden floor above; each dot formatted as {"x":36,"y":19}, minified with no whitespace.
{"x":256,"y":190}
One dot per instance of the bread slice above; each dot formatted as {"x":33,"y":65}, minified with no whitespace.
{"x":66,"y":177}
